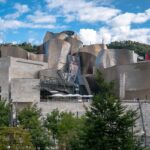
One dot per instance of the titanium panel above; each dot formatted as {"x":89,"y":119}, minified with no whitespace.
{"x":75,"y":45}
{"x":111,"y":57}
{"x":57,"y":54}
{"x":87,"y":62}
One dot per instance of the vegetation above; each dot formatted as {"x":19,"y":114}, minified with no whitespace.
{"x":28,"y":47}
{"x":14,"y":138}
{"x":107,"y":125}
{"x":139,"y":48}
{"x":30,"y":120}
{"x":64,"y":127}
{"x":4,"y":113}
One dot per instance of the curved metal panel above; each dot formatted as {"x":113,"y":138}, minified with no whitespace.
{"x":57,"y":53}
{"x":91,"y":49}
{"x":87,"y":62}
{"x":75,"y":45}
{"x":111,"y":57}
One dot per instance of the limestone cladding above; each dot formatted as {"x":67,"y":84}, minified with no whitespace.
{"x":131,"y":80}
{"x":12,"y":68}
{"x":25,"y":90}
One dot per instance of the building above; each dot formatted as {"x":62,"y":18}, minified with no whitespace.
{"x":61,"y":75}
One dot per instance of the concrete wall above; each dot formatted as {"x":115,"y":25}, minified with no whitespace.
{"x":21,"y":68}
{"x":13,"y":51}
{"x":74,"y":107}
{"x":25,"y":90}
{"x":11,"y":68}
{"x":145,"y":109}
{"x":4,"y":77}
{"x":131,"y":80}
{"x":36,"y":57}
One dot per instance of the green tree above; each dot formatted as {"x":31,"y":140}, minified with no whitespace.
{"x":30,"y":119}
{"x":15,"y":138}
{"x":108,"y":125}
{"x":64,"y":126}
{"x":52,"y":121}
{"x":4,"y":113}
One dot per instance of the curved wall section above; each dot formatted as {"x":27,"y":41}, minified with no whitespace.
{"x":88,"y":56}
{"x":57,"y":53}
{"x":111,"y":57}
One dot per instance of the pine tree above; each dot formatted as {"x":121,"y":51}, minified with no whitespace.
{"x":108,"y":125}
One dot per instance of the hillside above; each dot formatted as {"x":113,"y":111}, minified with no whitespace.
{"x":140,"y":48}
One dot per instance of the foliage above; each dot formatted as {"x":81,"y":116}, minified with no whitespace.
{"x":146,"y":149}
{"x":28,"y":47}
{"x":29,"y":118}
{"x":52,"y":121}
{"x":14,"y":138}
{"x":64,"y":126}
{"x":108,"y":126}
{"x":4,"y":113}
{"x":140,"y":48}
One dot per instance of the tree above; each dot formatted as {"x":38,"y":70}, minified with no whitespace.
{"x":64,"y":127}
{"x":4,"y":113}
{"x":52,"y":121}
{"x":15,"y":138}
{"x":108,"y":125}
{"x":30,"y":119}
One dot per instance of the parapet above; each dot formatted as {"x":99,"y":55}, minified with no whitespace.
{"x":13,"y":51}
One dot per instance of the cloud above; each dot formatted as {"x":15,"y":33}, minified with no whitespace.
{"x":15,"y":24}
{"x":42,"y":17}
{"x":126,"y":19}
{"x":2,"y":1}
{"x":20,"y":9}
{"x":1,"y":37}
{"x":115,"y":34}
{"x":82,"y":10}
{"x":88,"y":36}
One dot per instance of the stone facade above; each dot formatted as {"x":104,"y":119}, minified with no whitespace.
{"x":16,"y":68}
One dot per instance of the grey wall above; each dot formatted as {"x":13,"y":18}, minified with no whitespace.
{"x":21,"y":68}
{"x":25,"y":90}
{"x":73,"y":107}
{"x":4,"y":77}
{"x":131,"y":80}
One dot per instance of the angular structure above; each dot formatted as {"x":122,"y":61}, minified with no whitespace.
{"x":131,"y":80}
{"x":88,"y":55}
{"x":112,"y":57}
{"x":13,"y":51}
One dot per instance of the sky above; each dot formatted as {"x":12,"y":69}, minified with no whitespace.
{"x":93,"y":20}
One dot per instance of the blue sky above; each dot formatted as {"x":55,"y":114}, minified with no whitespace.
{"x":92,"y":20}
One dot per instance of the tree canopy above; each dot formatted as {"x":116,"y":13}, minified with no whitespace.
{"x":15,"y":138}
{"x":108,"y":125}
{"x":30,"y":119}
{"x":4,"y":113}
